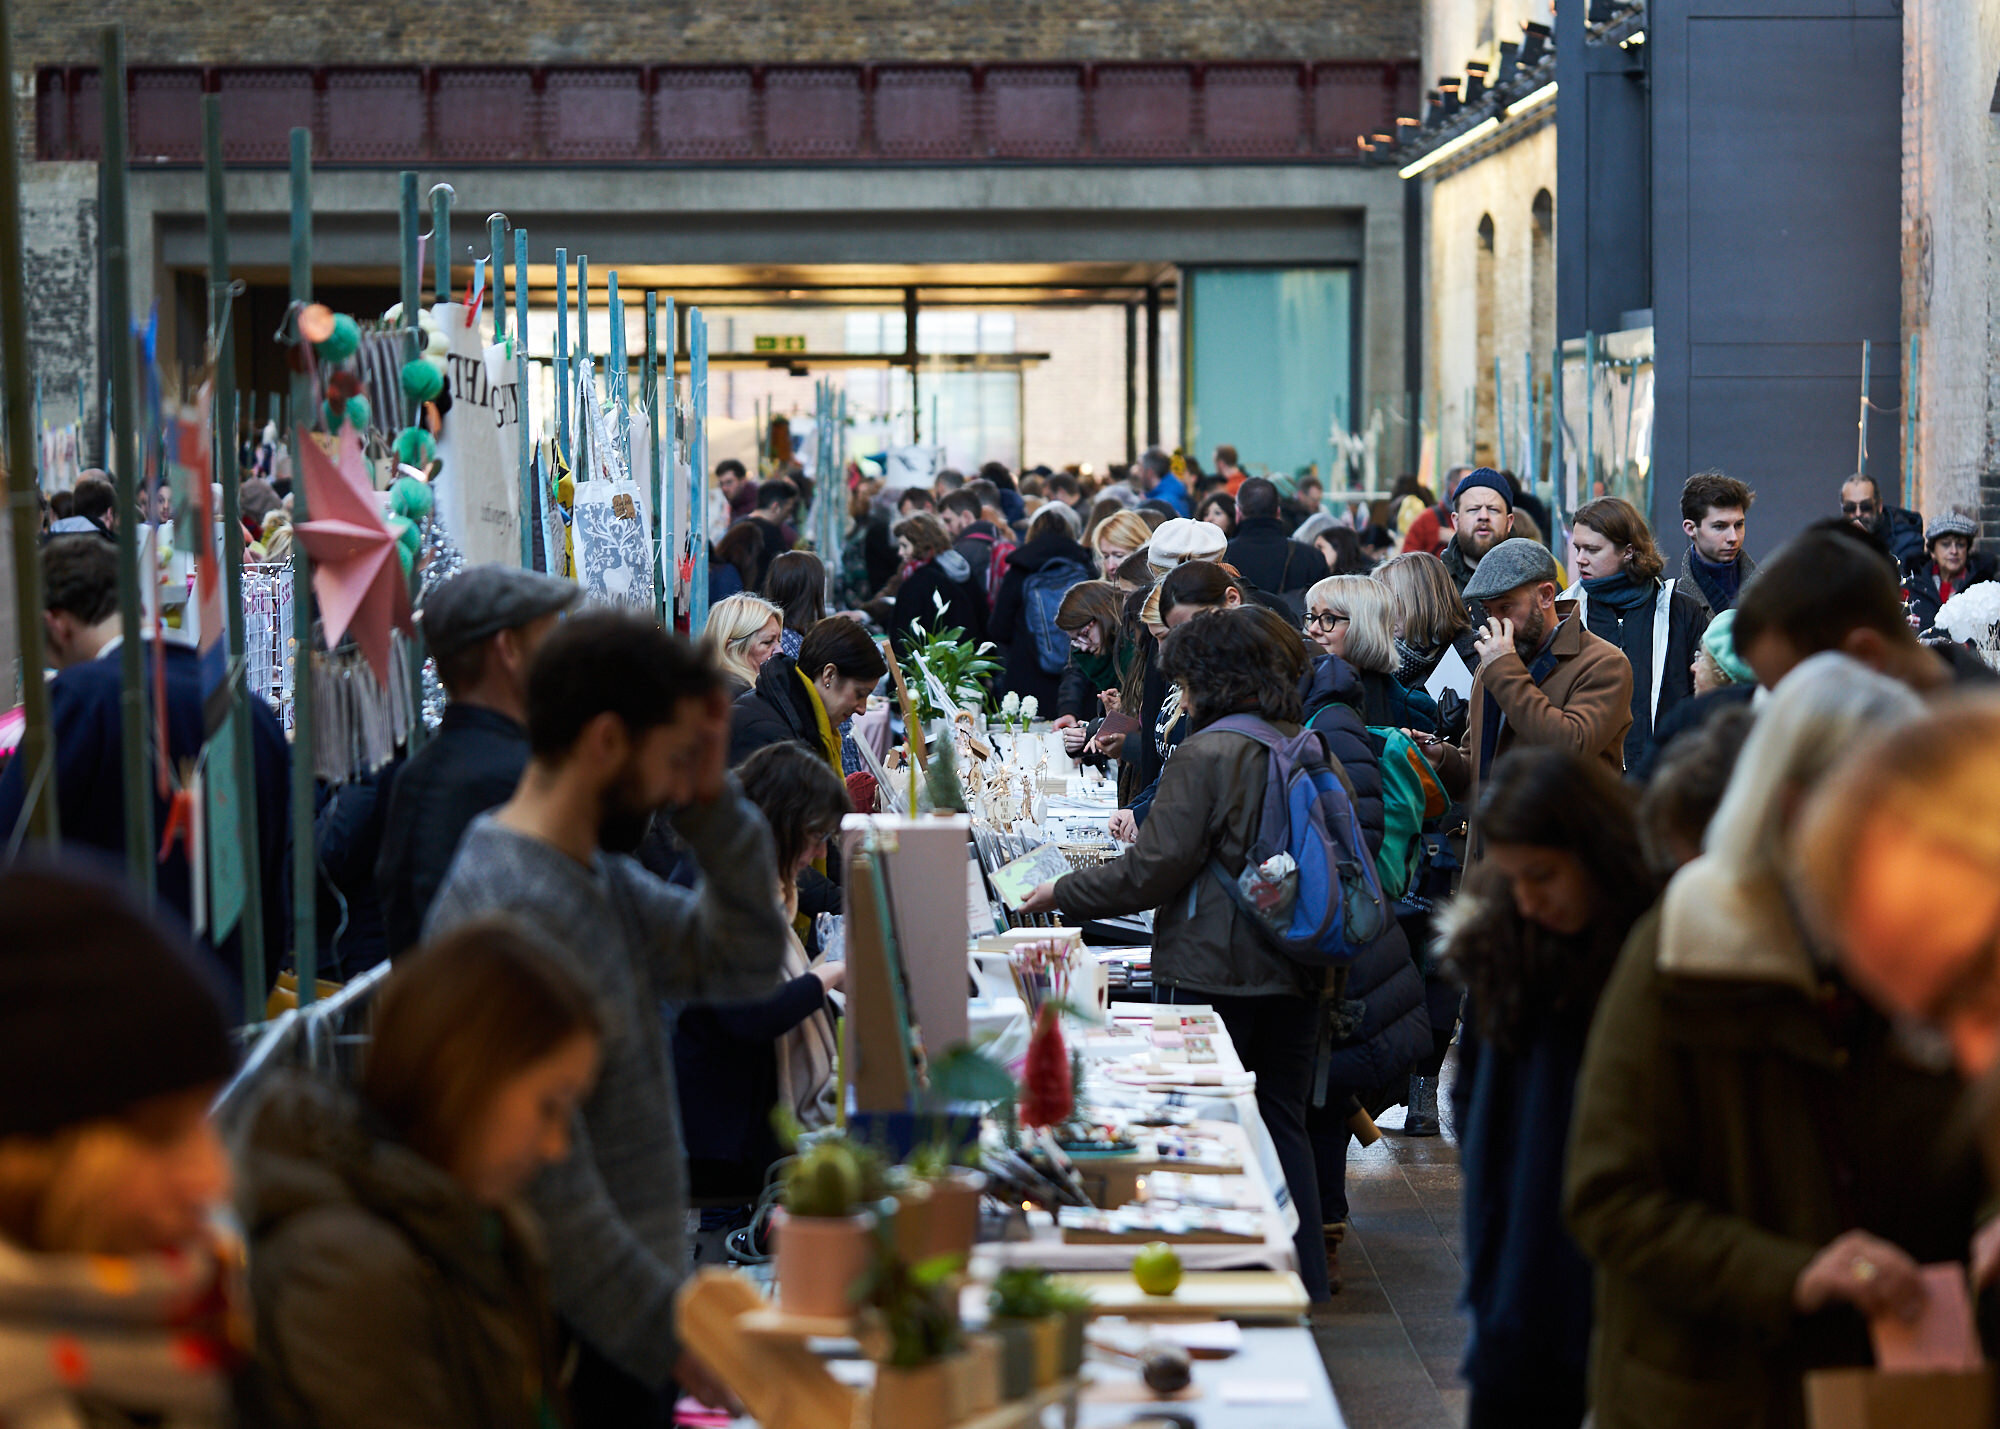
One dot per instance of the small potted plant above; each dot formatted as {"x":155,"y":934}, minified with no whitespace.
{"x":945,"y":1198}
{"x":1020,"y":1313}
{"x":826,"y":1229}
{"x":1072,"y":1306}
{"x":918,"y":1383}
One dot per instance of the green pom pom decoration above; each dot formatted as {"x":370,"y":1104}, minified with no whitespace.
{"x":355,"y":412}
{"x":422,"y":381}
{"x":411,"y":499}
{"x":342,"y":343}
{"x":415,"y":447}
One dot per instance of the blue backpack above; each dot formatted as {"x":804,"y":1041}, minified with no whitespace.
{"x":1327,"y":906}
{"x":1041,"y":597}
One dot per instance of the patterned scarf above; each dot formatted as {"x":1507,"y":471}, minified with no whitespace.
{"x":805,"y":1054}
{"x":1414,"y":666}
{"x":88,"y":1338}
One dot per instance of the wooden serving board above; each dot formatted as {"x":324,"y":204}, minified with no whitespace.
{"x":1202,"y":1294}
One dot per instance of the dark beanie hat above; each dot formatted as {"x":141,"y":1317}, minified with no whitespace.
{"x":1485,"y":476}
{"x":101,"y":1007}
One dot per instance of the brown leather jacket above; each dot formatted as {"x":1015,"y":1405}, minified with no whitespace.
{"x":1585,"y":704}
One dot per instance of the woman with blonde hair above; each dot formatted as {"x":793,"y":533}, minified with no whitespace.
{"x":118,"y":1295}
{"x":1354,"y":617}
{"x":743,"y":631}
{"x":1430,"y":613}
{"x":1115,"y":538}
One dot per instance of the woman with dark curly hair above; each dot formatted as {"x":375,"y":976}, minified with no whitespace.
{"x":1533,"y":937}
{"x":1242,"y":660}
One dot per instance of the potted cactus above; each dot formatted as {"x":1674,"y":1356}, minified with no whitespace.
{"x":825,"y":1231}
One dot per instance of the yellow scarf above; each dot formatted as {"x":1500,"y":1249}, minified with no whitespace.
{"x":829,"y":738}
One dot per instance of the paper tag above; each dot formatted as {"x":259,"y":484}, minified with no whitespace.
{"x":500,"y":363}
{"x":1941,"y":1338}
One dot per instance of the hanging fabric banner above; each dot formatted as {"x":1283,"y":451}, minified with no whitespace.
{"x":478,"y":484}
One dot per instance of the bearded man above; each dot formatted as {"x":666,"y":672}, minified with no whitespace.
{"x":1543,"y":678}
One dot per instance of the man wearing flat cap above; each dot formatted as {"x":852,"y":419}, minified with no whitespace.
{"x":482,"y":627}
{"x":1543,"y":678}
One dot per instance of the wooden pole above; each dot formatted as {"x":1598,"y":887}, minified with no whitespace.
{"x":649,"y":393}
{"x":223,"y":417}
{"x":562,"y":352}
{"x":132,"y":699}
{"x":698,"y":460}
{"x":37,"y":747}
{"x":305,"y":864}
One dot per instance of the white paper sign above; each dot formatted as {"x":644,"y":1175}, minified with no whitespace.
{"x":1450,"y":674}
{"x":478,"y":487}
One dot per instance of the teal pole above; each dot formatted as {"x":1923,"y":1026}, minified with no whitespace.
{"x":1589,"y":416}
{"x":1861,"y":447}
{"x":615,"y":376}
{"x":1531,"y":446}
{"x":413,"y":277}
{"x":1556,"y":418}
{"x":698,"y":460}
{"x":223,"y":420}
{"x":496,"y":249}
{"x":1499,"y":417}
{"x":670,"y":544}
{"x":530,"y":506}
{"x":1910,"y":428}
{"x":305,"y":864}
{"x":37,"y":747}
{"x":441,"y":196}
{"x":132,"y":699}
{"x":579,"y":457}
{"x":411,"y":214}
{"x":562,"y":351}
{"x":649,"y":389}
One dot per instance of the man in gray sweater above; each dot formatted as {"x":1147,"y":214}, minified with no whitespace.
{"x":623,"y":719}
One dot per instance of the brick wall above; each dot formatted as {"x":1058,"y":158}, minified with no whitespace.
{"x":1502,"y":187}
{"x":1950,"y":275}
{"x":702,"y":31}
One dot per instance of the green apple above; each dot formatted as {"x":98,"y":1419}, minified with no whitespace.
{"x":1157,"y":1268}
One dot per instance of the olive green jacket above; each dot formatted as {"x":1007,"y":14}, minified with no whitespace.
{"x":1736,"y":1111}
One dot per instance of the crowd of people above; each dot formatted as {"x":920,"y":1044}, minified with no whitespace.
{"x":1666,"y":845}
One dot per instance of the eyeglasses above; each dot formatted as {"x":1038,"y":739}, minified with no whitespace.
{"x":1324,"y":620}
{"x":1857,"y":508}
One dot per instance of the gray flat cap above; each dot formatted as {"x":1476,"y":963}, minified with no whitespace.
{"x":1511,"y":564}
{"x":482,"y":601}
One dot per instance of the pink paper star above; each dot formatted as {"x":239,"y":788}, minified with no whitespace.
{"x":356,"y":572}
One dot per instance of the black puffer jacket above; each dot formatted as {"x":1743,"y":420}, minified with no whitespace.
{"x":1011,"y":629}
{"x":777,"y":709}
{"x":1380,"y":1027}
{"x":1331,"y":693}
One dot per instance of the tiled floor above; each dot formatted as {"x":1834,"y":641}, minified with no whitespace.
{"x":1392,"y":1338}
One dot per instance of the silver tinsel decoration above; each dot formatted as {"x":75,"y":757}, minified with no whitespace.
{"x":439,"y":560}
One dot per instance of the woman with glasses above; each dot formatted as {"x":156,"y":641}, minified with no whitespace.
{"x":1353,"y":617}
{"x":1757,"y":1165}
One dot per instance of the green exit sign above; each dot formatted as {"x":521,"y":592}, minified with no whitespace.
{"x":781,"y":344}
